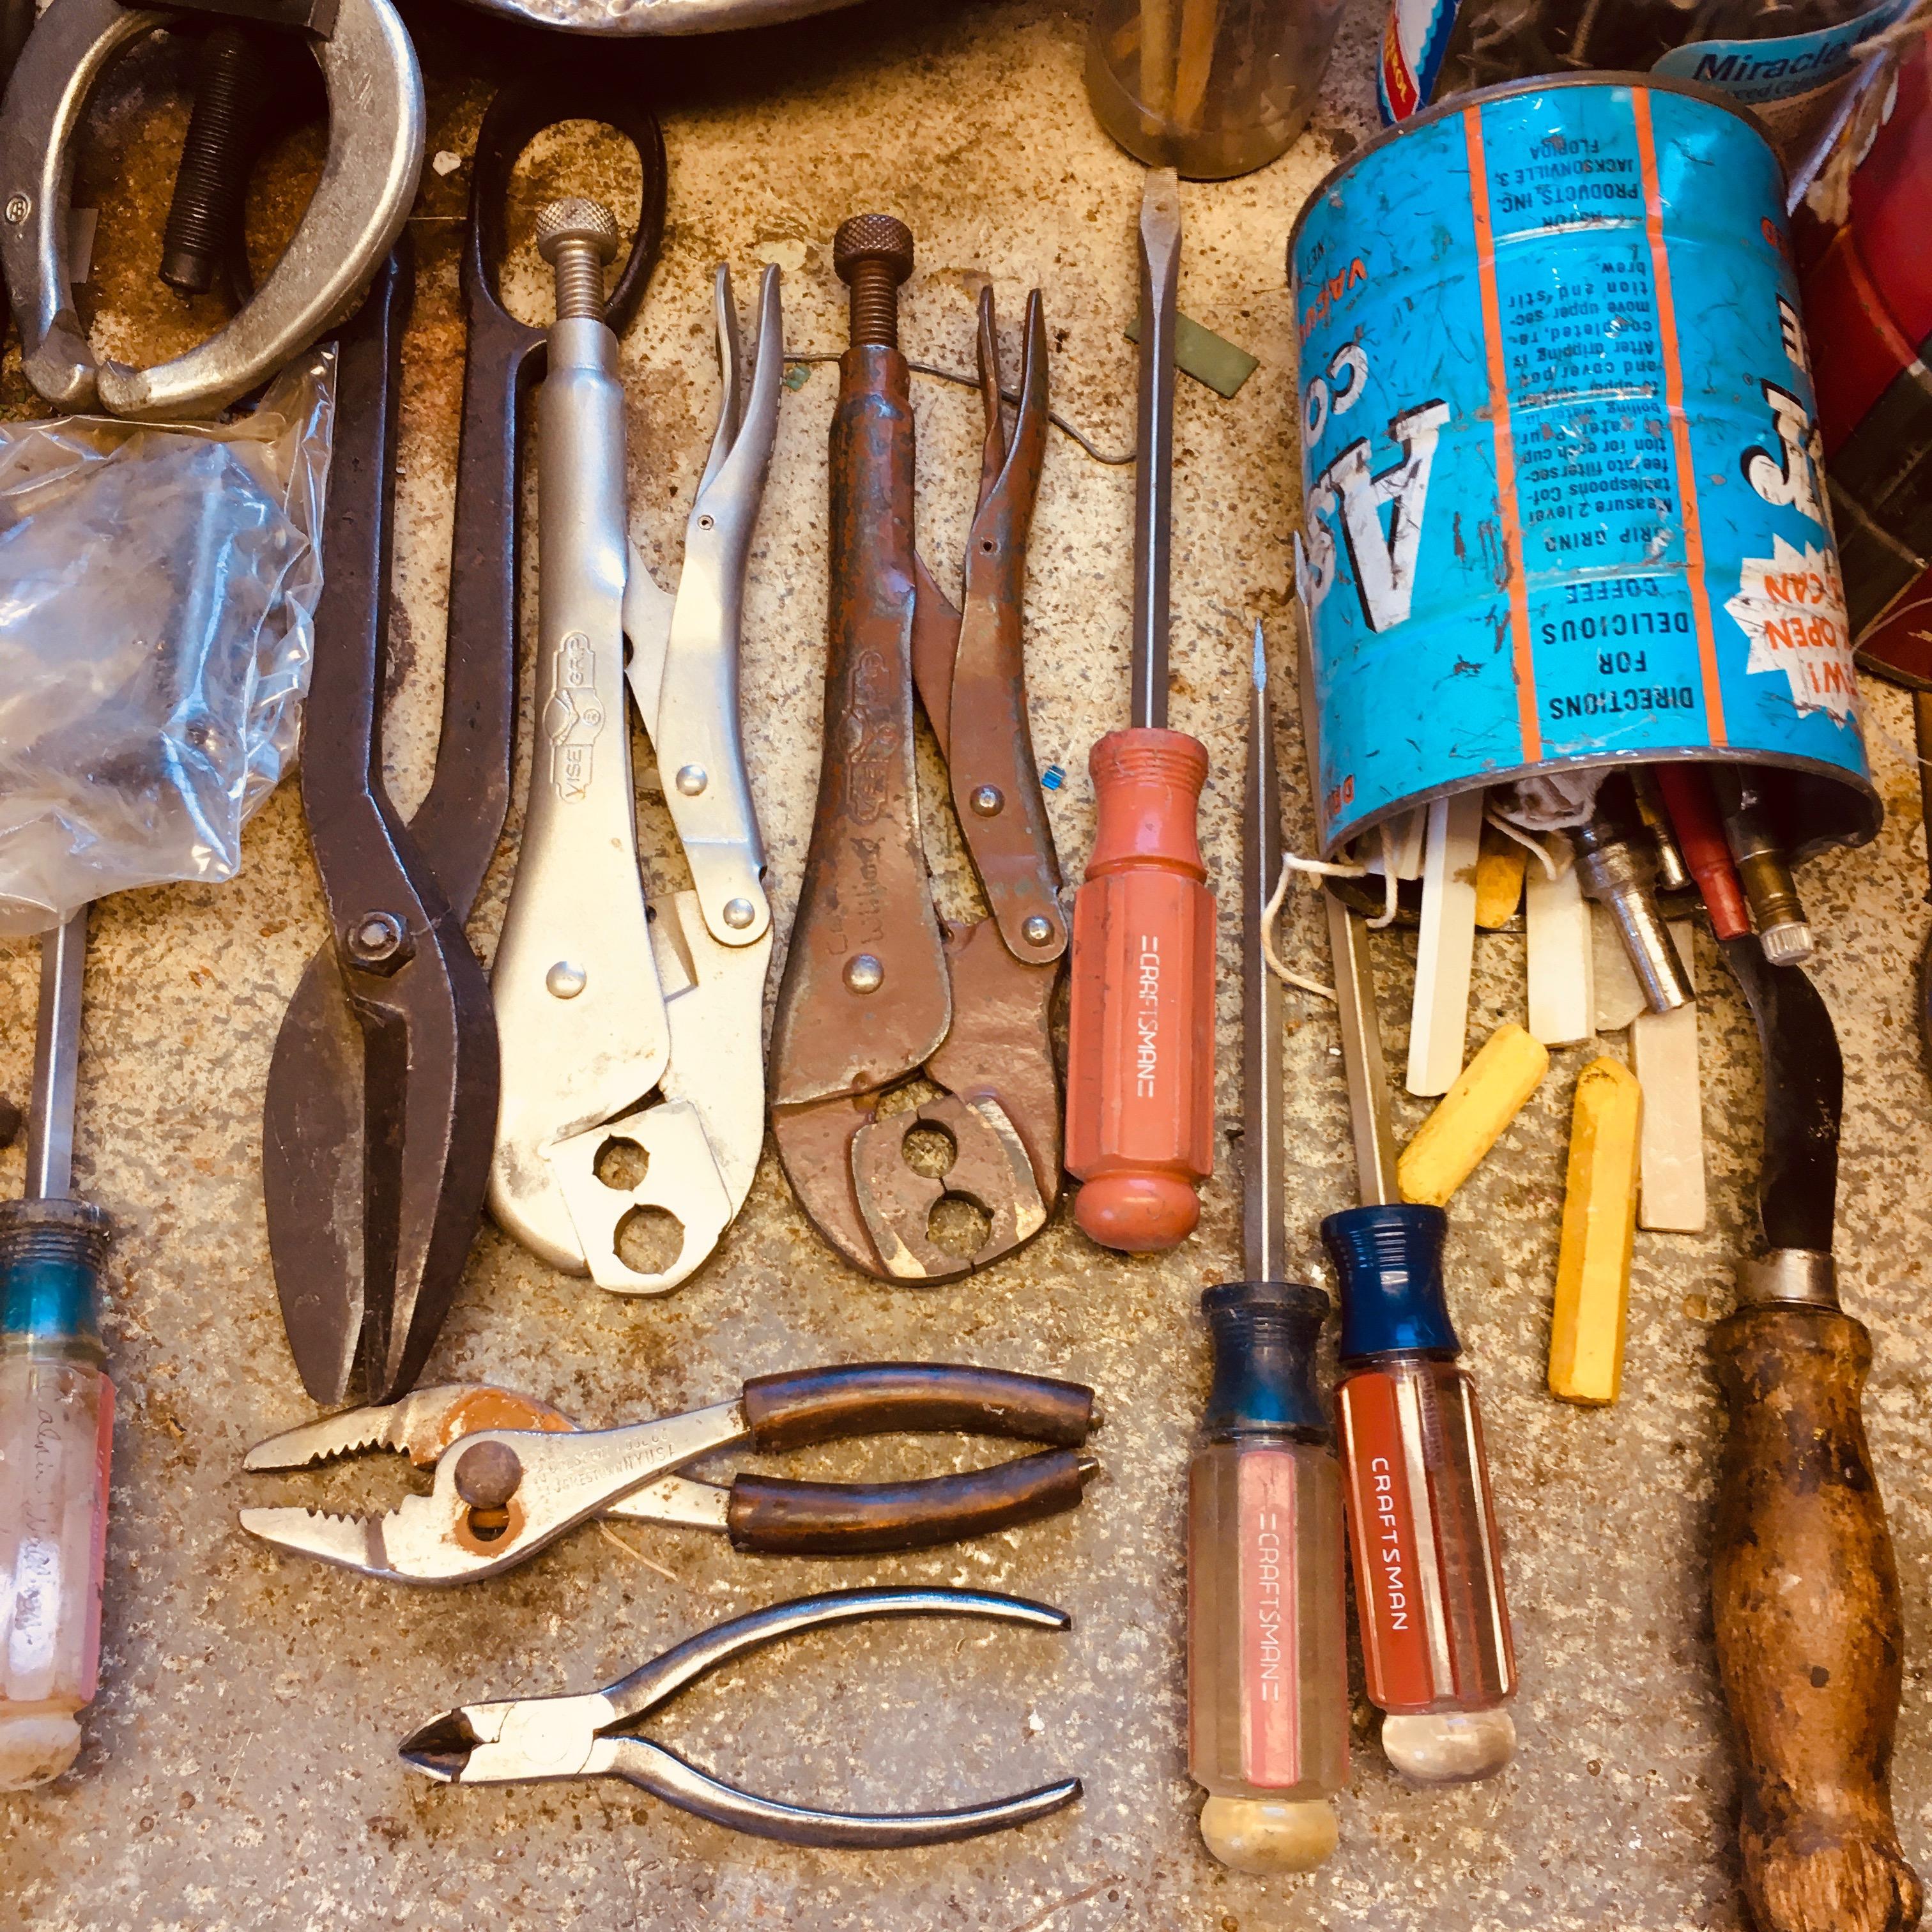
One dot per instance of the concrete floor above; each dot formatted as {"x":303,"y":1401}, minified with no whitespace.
{"x":241,"y":1768}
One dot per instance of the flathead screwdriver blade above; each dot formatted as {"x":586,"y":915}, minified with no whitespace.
{"x":1153,"y":475}
{"x":1263,"y":1196}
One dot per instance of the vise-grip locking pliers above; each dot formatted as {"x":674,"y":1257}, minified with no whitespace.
{"x":602,"y":1003}
{"x":877,"y":989}
{"x":369,"y":174}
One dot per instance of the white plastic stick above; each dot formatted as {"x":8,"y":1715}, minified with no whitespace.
{"x":1616,"y":998}
{"x":1562,"y":972}
{"x":1406,"y":838}
{"x":1670,"y":1149}
{"x":1439,"y":1021}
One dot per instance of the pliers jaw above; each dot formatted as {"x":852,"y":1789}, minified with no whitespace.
{"x":520,"y":1740}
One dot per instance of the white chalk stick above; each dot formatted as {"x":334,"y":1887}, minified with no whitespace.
{"x":1670,"y":1149}
{"x":1561,"y":958}
{"x":1618,"y":999}
{"x":1439,"y":1020}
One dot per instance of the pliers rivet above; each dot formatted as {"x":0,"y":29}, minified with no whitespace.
{"x":488,"y":1474}
{"x":692,"y":779}
{"x":739,"y":914}
{"x":1038,"y":930}
{"x":566,"y":979}
{"x":864,"y":973}
{"x":988,"y":801}
{"x":378,"y":942}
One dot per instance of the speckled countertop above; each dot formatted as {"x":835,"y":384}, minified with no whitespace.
{"x":241,"y":1771}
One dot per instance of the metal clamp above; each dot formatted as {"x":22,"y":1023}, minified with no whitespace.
{"x":376,"y":136}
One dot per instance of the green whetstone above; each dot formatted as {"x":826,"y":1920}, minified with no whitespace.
{"x":1208,"y":357}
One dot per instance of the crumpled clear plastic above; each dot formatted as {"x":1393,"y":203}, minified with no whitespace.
{"x":157,"y":593}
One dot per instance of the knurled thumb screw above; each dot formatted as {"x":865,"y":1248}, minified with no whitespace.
{"x":873,"y":255}
{"x":577,"y":237}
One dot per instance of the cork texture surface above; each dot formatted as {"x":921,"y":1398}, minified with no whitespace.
{"x":240,"y":1773}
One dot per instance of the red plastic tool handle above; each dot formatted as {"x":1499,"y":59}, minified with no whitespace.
{"x":1428,"y":1575}
{"x":1700,"y":836}
{"x":1140,"y":1071}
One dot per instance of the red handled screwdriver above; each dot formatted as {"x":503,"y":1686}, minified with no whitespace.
{"x":1140,"y":1070}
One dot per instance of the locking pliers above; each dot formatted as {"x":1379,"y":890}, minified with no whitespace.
{"x":369,"y":175}
{"x":527,"y":1739}
{"x":878,"y":991}
{"x":624,"y":1024}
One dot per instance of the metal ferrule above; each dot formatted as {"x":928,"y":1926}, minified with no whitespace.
{"x":51,"y":1253}
{"x":1617,"y":877}
{"x":1803,"y":1277}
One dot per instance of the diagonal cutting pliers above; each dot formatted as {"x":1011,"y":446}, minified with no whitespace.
{"x":523,"y":1473}
{"x":381,"y":1099}
{"x":527,"y":1740}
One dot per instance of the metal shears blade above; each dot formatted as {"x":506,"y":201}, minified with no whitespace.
{"x":381,"y":1100}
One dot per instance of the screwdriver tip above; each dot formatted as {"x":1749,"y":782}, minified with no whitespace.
{"x":1260,"y":658}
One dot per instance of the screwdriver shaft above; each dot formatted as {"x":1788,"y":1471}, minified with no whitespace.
{"x":1153,"y":473}
{"x":56,"y":1061}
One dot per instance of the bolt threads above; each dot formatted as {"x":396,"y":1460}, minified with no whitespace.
{"x":580,"y":283}
{"x":875,"y":307}
{"x":232,"y":81}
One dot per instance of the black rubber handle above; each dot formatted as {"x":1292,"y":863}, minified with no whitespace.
{"x":787,"y":1412}
{"x":773,"y":1516}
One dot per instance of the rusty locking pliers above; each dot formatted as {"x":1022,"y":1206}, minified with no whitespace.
{"x":877,"y":989}
{"x":625,"y":1025}
{"x":379,"y":1121}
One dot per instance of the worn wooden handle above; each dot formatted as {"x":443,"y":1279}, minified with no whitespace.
{"x":1809,"y":1645}
{"x":777,"y":1517}
{"x":787,"y":1411}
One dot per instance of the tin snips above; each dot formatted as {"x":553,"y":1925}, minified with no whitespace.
{"x":378,"y":1124}
{"x":883,"y":1001}
{"x":629,"y":1028}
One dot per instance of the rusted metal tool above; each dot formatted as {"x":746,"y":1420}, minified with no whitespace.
{"x":880,"y":992}
{"x":526,"y":1473}
{"x":382,"y":1099}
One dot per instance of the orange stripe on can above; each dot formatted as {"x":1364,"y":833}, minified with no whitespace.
{"x":1680,"y":423}
{"x":1522,"y":655}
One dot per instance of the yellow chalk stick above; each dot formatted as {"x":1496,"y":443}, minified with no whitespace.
{"x":1488,"y":1094}
{"x":1586,"y":1340}
{"x":1499,"y":868}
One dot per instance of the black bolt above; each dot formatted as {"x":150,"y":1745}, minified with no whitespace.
{"x":232,"y":85}
{"x":873,"y":255}
{"x":488,"y":1474}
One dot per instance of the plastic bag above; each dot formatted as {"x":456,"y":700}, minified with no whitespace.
{"x":157,"y":590}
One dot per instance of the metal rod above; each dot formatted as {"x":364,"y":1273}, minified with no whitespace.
{"x":1362,"y":1053}
{"x":1153,"y":476}
{"x":1264,"y":1197}
{"x":1362,"y":1061}
{"x":56,"y":1061}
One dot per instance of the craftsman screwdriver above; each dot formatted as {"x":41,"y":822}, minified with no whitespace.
{"x":56,"y":1408}
{"x":1437,"y":1650}
{"x":1140,"y":1062}
{"x":1267,"y":1675}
